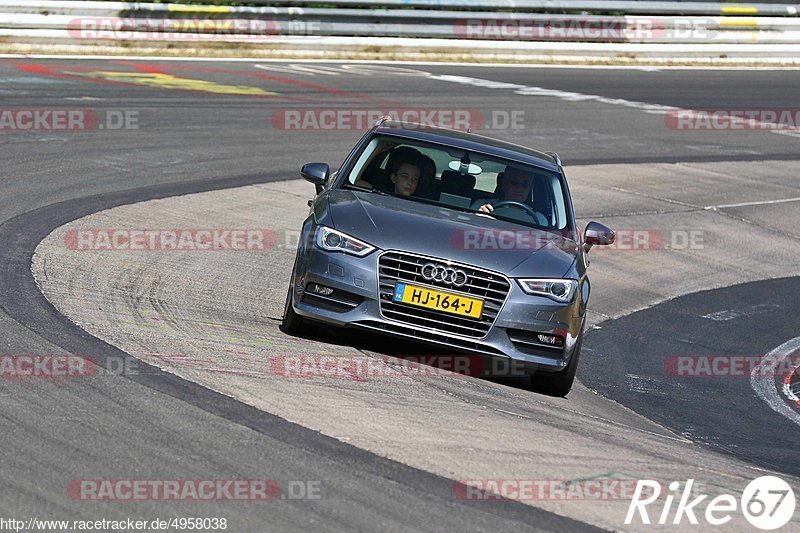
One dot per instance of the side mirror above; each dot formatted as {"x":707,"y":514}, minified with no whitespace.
{"x":316,"y":173}
{"x":597,"y":234}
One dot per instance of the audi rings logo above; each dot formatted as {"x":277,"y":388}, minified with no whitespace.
{"x":444,"y":274}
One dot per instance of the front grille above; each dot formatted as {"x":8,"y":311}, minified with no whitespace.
{"x":491,"y":287}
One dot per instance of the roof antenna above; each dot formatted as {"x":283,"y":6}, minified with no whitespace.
{"x":383,"y":120}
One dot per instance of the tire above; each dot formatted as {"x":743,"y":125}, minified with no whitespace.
{"x":292,"y":323}
{"x":558,"y":383}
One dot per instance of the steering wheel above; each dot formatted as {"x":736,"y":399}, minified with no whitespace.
{"x":537,"y":216}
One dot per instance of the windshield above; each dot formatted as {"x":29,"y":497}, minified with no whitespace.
{"x":455,"y":178}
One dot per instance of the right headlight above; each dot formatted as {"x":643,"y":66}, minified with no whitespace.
{"x":560,"y":290}
{"x":335,"y":241}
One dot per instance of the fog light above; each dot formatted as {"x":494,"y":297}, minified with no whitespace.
{"x":550,"y":340}
{"x":320,"y":289}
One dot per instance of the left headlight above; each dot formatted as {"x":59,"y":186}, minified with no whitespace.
{"x":335,"y":241}
{"x":560,"y":290}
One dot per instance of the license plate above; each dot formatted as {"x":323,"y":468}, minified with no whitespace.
{"x":446,"y":302}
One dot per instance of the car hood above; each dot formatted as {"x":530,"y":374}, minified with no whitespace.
{"x":392,"y":223}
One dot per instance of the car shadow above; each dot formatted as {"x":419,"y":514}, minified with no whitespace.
{"x":417,"y":354}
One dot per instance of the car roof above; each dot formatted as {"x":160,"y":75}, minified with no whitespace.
{"x":469,"y":141}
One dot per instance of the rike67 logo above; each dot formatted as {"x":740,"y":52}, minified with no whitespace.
{"x":767,"y":502}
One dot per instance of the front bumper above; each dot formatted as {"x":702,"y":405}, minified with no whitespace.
{"x":355,"y":302}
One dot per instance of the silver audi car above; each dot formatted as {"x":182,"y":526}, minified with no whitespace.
{"x":449,"y":238}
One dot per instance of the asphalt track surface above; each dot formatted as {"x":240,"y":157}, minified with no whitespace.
{"x":193,"y":141}
{"x":634,"y":360}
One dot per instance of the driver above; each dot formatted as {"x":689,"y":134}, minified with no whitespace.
{"x":515,"y":186}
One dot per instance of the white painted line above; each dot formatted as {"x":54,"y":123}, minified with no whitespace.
{"x":513,"y":414}
{"x":762,"y":379}
{"x":746,"y":204}
{"x":789,"y":133}
{"x":570,"y":96}
{"x":730,"y":314}
{"x":294,"y":68}
{"x":723,"y":316}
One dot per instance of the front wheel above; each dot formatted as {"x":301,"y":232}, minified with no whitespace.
{"x":558,"y":383}
{"x":292,"y":323}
